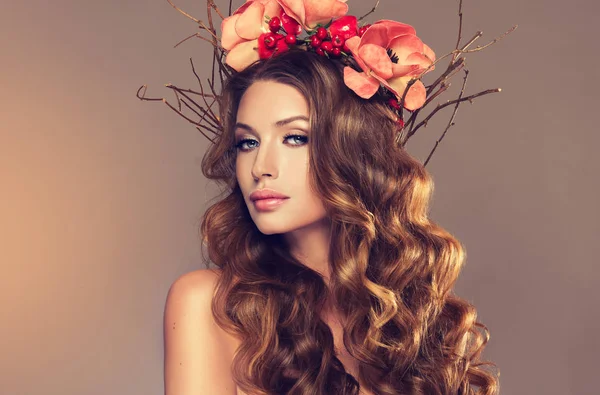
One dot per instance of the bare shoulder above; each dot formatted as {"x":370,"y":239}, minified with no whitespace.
{"x":197,"y":281}
{"x":196,"y":357}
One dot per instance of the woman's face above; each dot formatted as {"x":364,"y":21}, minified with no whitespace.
{"x":271,"y":134}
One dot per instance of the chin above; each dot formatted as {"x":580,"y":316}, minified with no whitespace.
{"x":272,"y":227}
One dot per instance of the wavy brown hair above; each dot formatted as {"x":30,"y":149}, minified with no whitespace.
{"x":392,"y":268}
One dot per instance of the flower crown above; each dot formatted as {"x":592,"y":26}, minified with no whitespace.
{"x":385,"y":56}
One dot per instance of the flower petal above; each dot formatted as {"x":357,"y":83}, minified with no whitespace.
{"x":322,"y":11}
{"x":362,"y":84}
{"x":243,"y":55}
{"x":416,"y":95}
{"x":396,"y":28}
{"x":377,"y":35}
{"x":249,"y":24}
{"x":294,"y":8}
{"x":400,"y":70}
{"x":229,"y":38}
{"x":404,"y":45}
{"x":429,"y":53}
{"x":353,"y":44}
{"x":420,"y":61}
{"x":377,"y":59}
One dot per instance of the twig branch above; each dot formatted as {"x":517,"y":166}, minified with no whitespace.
{"x":194,"y":35}
{"x":449,"y":103}
{"x":451,"y":121}
{"x":457,"y":65}
{"x":214,"y":6}
{"x":460,"y":23}
{"x":210,"y":122}
{"x":143,"y":96}
{"x":183,"y":12}
{"x":495,"y":40}
{"x":370,"y":12}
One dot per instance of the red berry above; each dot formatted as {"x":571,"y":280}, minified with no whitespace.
{"x":362,"y":30}
{"x":270,"y":40}
{"x":290,"y":25}
{"x":346,"y":26}
{"x":400,"y":123}
{"x":281,"y":47}
{"x":326,"y":46}
{"x":345,"y":48}
{"x":263,"y":51}
{"x":336,"y":51}
{"x":320,"y":52}
{"x":274,"y":24}
{"x":315,"y":41}
{"x":322,"y":33}
{"x":337,"y":40}
{"x":290,"y":39}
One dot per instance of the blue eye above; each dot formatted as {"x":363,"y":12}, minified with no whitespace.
{"x":298,"y":139}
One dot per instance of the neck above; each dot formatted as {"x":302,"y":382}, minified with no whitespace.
{"x":310,"y":245}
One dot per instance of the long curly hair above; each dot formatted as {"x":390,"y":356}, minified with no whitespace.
{"x":392,"y":268}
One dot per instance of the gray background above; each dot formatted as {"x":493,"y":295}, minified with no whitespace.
{"x":102,"y":193}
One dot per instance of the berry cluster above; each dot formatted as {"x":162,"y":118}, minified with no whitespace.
{"x":284,"y":32}
{"x":324,"y":42}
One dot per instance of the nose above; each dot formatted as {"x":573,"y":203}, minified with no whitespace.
{"x":266,"y":162}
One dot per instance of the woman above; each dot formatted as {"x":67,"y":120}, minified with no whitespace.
{"x":343,"y":285}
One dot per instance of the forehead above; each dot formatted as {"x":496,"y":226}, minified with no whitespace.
{"x":268,"y":101}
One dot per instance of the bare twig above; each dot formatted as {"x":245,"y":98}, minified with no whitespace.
{"x":459,"y":63}
{"x":449,"y":103}
{"x":204,"y":96}
{"x":451,"y":121}
{"x":187,"y":90}
{"x":204,"y":134}
{"x":198,"y":21}
{"x":214,"y":6}
{"x":443,"y":88}
{"x":370,"y":12}
{"x":188,"y":119}
{"x":460,"y":23}
{"x":194,"y":35}
{"x":183,"y":12}
{"x":205,"y":112}
{"x":209,"y":119}
{"x":401,"y":102}
{"x":143,"y":97}
{"x":495,"y":40}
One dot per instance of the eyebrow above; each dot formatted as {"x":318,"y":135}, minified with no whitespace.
{"x":283,"y":122}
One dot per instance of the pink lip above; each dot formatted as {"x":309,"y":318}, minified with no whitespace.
{"x":266,"y":193}
{"x":268,"y":204}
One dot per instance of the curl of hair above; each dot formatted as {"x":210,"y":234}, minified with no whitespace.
{"x":392,"y":268}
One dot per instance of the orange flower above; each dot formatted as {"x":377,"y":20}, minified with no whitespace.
{"x":309,"y":13}
{"x":241,"y":30}
{"x":389,"y":53}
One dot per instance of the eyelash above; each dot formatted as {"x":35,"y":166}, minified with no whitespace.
{"x":239,"y":144}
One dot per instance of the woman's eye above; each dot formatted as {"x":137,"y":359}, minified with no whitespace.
{"x":240,"y":144}
{"x":296,"y":139}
